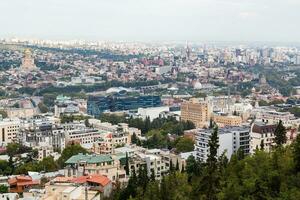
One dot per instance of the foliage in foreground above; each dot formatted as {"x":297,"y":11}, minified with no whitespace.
{"x":261,"y":176}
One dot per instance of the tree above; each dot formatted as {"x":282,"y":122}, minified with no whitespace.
{"x":142,"y":178}
{"x":262,"y":145}
{"x":177,"y":165}
{"x":87,"y":123}
{"x":3,"y":189}
{"x":171,"y":167}
{"x":280,"y":134}
{"x":211,"y":123}
{"x":43,"y":108}
{"x":296,"y":153}
{"x":211,"y":179}
{"x":127,"y":164}
{"x":184,"y":144}
{"x":3,"y":113}
{"x":68,"y":152}
{"x":152,"y":176}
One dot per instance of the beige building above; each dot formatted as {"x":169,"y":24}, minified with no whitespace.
{"x":9,"y":131}
{"x":196,"y":111}
{"x":28,"y":62}
{"x":227,"y":120}
{"x":84,"y":164}
{"x":262,"y":133}
{"x":21,"y":112}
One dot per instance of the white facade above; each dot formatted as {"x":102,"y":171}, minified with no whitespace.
{"x":230,"y":140}
{"x":152,"y":113}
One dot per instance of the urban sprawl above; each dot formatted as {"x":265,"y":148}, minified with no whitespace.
{"x":92,"y":120}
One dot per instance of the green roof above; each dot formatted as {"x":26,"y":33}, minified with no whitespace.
{"x":91,"y":159}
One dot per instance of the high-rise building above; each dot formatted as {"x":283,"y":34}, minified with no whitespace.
{"x":28,"y":62}
{"x":196,"y":111}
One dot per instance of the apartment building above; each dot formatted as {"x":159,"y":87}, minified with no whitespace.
{"x":230,"y":140}
{"x":92,"y":164}
{"x":262,"y":133}
{"x":227,"y":120}
{"x":196,"y":111}
{"x":10,"y":129}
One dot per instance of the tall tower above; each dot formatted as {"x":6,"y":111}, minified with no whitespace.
{"x":187,"y":51}
{"x":28,"y":62}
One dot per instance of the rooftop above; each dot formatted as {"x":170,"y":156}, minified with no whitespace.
{"x":88,"y":158}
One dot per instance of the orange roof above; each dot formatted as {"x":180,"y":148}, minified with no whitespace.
{"x":26,"y":183}
{"x":22,"y":181}
{"x":102,"y":180}
{"x":99,"y":179}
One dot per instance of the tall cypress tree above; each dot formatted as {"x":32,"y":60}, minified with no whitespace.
{"x":127,"y":164}
{"x":262,"y":145}
{"x":280,"y":134}
{"x":177,"y":165}
{"x":296,"y":153}
{"x":210,"y":182}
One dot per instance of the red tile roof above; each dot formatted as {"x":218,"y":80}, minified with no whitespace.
{"x":99,"y":179}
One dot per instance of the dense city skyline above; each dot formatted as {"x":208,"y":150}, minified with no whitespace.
{"x":167,"y":20}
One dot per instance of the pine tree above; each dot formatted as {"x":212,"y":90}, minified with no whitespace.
{"x":240,"y":154}
{"x":262,"y":145}
{"x":296,"y":153}
{"x":152,"y":176}
{"x":210,"y":183}
{"x":280,"y":134}
{"x":182,"y":168}
{"x":127,"y":164}
{"x":171,"y":168}
{"x":177,"y":165}
{"x":211,"y":123}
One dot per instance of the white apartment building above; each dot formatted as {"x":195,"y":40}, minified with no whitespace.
{"x":271,"y":116}
{"x":230,"y":140}
{"x":85,"y":137}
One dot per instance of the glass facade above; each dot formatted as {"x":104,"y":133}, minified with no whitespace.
{"x":98,"y":104}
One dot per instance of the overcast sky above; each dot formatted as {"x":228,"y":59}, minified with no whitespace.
{"x":152,"y":20}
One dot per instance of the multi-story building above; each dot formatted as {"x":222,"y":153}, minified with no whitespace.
{"x":37,"y":135}
{"x":111,"y":140}
{"x":196,"y":111}
{"x":85,"y":164}
{"x":230,"y":140}
{"x":273,"y":117}
{"x":262,"y":133}
{"x":227,"y":120}
{"x":85,"y":136}
{"x":64,"y":105}
{"x":83,"y":187}
{"x":10,"y":129}
{"x":119,"y":102}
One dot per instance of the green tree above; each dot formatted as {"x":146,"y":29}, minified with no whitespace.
{"x":68,"y":152}
{"x":43,"y":108}
{"x":3,"y":189}
{"x":127,"y":164}
{"x":184,"y":144}
{"x":296,"y":153}
{"x":262,"y":145}
{"x":3,"y":113}
{"x":280,"y":134}
{"x":211,"y":178}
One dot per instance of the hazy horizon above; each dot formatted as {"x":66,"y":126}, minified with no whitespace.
{"x":155,"y":20}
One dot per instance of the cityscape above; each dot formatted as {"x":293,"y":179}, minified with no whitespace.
{"x":160,"y":119}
